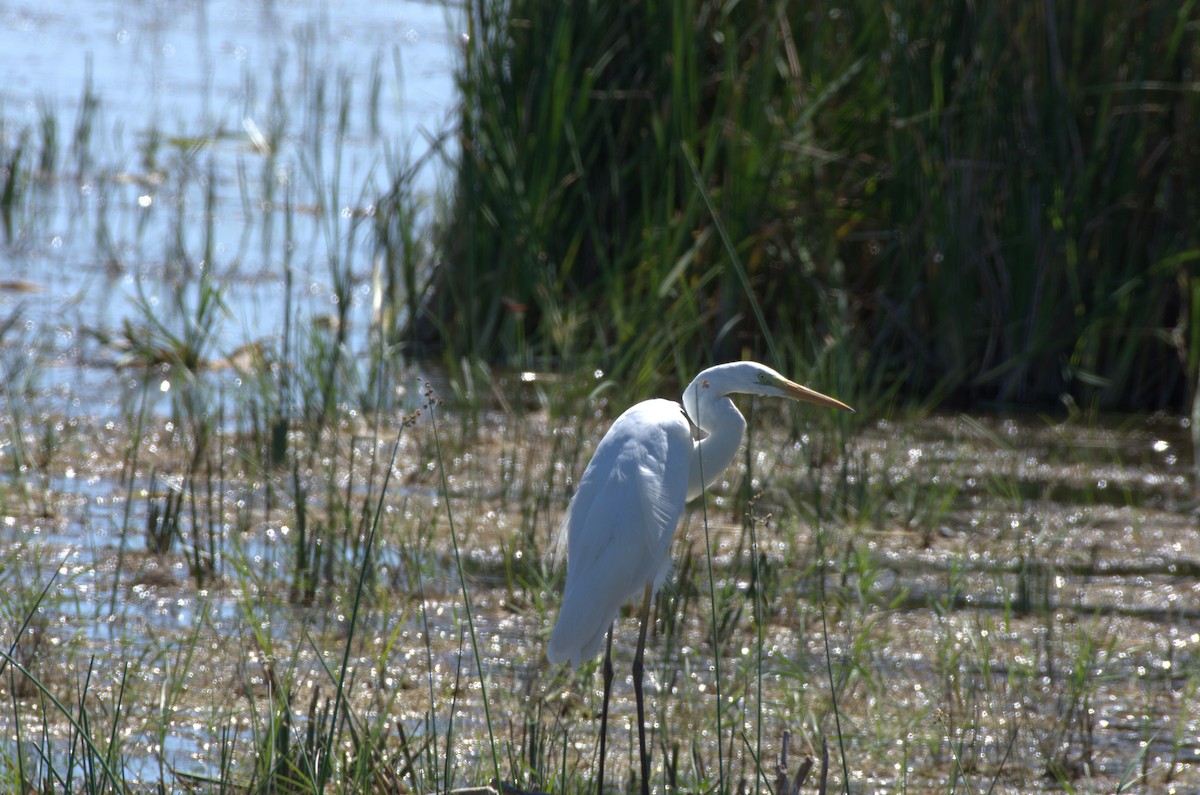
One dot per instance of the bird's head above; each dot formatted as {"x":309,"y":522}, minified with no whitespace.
{"x":768,"y":382}
{"x":754,"y":379}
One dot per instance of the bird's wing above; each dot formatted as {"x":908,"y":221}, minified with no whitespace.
{"x":620,"y":523}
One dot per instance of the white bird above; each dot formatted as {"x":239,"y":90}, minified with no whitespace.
{"x":619,"y":525}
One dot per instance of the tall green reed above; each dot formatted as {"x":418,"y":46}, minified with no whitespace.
{"x":574,"y":198}
{"x":968,"y":203}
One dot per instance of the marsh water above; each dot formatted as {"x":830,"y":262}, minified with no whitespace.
{"x":1018,"y":597}
{"x":1007,"y":600}
{"x":157,"y":138}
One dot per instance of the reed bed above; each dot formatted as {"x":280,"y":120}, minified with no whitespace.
{"x":969,"y":203}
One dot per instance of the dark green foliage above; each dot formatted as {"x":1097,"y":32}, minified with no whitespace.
{"x":983,"y":201}
{"x":576,"y":225}
{"x":1019,"y":217}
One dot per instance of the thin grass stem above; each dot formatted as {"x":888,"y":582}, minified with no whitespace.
{"x":833,"y":696}
{"x":712,"y":603}
{"x":734,"y":260}
{"x":462,"y":581}
{"x":135,"y":446}
{"x":323,"y":771}
{"x":76,"y":724}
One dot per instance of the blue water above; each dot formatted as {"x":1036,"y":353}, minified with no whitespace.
{"x":196,"y":89}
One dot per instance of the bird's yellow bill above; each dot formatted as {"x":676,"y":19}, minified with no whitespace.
{"x":807,"y":395}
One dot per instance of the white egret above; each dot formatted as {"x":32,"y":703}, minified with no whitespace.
{"x":619,"y":525}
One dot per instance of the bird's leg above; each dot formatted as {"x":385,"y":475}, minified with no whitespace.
{"x":607,"y":670}
{"x":638,"y":670}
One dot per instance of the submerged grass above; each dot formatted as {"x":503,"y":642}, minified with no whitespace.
{"x":926,"y":667}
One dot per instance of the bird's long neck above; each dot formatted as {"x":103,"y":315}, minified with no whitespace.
{"x":722,"y":426}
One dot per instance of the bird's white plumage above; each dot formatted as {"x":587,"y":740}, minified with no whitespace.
{"x":620,"y":523}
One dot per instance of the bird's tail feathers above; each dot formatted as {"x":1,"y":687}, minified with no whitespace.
{"x":558,"y":550}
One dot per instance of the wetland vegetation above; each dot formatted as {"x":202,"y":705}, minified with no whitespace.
{"x":282,"y":466}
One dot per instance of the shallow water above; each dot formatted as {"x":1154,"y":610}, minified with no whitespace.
{"x":979,"y":564}
{"x":162,"y":140}
{"x":150,"y":101}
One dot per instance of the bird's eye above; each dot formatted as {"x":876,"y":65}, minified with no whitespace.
{"x":762,"y":377}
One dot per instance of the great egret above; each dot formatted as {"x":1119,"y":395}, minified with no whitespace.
{"x":619,"y":525}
